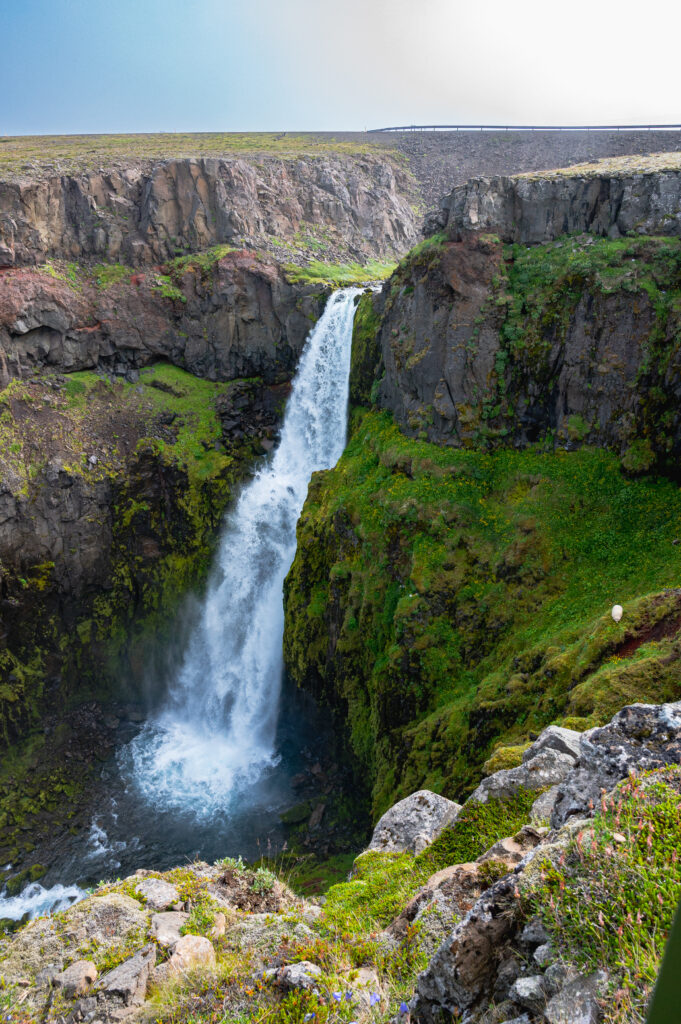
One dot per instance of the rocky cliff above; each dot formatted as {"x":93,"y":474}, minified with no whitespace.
{"x":145,"y":212}
{"x":232,"y":314}
{"x":614,"y":198}
{"x":568,"y":340}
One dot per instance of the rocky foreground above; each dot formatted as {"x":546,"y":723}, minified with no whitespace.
{"x":547,"y":897}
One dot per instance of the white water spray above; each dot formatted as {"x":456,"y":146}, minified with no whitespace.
{"x":216,"y":734}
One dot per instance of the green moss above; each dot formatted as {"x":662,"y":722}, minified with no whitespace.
{"x":467,"y":595}
{"x":383,"y":883}
{"x":168,"y":289}
{"x":366,"y":353}
{"x":478,"y":827}
{"x":338,"y":275}
{"x":201,"y":262}
{"x":108,"y":274}
{"x":505,"y":757}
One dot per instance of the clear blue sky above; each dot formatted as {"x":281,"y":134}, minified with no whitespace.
{"x":238,"y":65}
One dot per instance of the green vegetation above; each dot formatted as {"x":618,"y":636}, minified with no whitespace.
{"x":469,"y":594}
{"x":366,"y":353}
{"x":478,"y":827}
{"x":159,"y":445}
{"x":611,"y":898}
{"x":339,"y":275}
{"x":383,"y":883}
{"x":107,"y":274}
{"x":165,"y":287}
{"x":85,"y":152}
{"x":202,"y":262}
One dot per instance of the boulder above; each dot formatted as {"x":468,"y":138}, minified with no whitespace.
{"x":512,"y":849}
{"x":192,"y":951}
{"x":542,"y":808}
{"x":301,"y":975}
{"x":165,"y":927}
{"x":365,"y":987}
{"x":577,"y":1002}
{"x":76,"y":979}
{"x":159,"y":895}
{"x":463,"y":969}
{"x":219,"y":926}
{"x":413,"y":822}
{"x":126,"y":985}
{"x":555,"y":737}
{"x":546,"y":768}
{"x":529,"y":993}
{"x":445,"y":898}
{"x":111,"y":918}
{"x":639,"y":738}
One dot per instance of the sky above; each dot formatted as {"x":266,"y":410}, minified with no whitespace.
{"x":80,"y":66}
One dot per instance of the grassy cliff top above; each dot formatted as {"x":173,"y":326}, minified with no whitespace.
{"x":646,"y":163}
{"x":74,"y":153}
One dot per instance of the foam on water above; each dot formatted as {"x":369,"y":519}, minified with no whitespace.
{"x":34,"y":900}
{"x":215,"y":735}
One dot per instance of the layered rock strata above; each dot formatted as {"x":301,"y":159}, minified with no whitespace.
{"x":144,"y":212}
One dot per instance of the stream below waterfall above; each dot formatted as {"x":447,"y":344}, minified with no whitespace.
{"x":211,"y":770}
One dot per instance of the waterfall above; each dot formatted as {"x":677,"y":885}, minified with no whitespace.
{"x":215,"y":734}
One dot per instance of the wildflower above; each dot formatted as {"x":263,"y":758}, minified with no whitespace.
{"x":374,"y":998}
{"x":337,"y":996}
{"x":308,"y":1017}
{"x":404,"y":1008}
{"x":348,"y":997}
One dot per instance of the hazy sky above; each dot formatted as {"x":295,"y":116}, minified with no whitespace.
{"x":238,"y":65}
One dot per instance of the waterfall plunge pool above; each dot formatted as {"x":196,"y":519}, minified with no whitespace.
{"x":212,"y":769}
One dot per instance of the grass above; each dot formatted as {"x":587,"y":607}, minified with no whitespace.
{"x":647,"y":163}
{"x":470,"y":596}
{"x":202,"y":263}
{"x":339,"y":275}
{"x":166,"y":389}
{"x":609,"y":900}
{"x":85,"y":152}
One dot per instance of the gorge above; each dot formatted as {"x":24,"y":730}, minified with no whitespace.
{"x":510,"y":473}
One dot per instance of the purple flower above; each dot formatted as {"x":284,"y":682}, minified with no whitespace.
{"x":348,"y":997}
{"x":337,"y":996}
{"x":404,"y":1008}
{"x":374,"y":998}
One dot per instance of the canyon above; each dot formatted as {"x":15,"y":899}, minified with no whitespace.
{"x":510,"y":473}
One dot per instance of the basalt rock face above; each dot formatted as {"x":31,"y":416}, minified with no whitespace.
{"x":537,"y":209}
{"x":144,"y":213}
{"x":576,"y":341}
{"x":240,"y":319}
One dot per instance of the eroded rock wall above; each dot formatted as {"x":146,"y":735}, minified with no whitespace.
{"x":242,"y":318}
{"x":572,"y":342}
{"x":534,"y":209}
{"x":146,"y":212}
